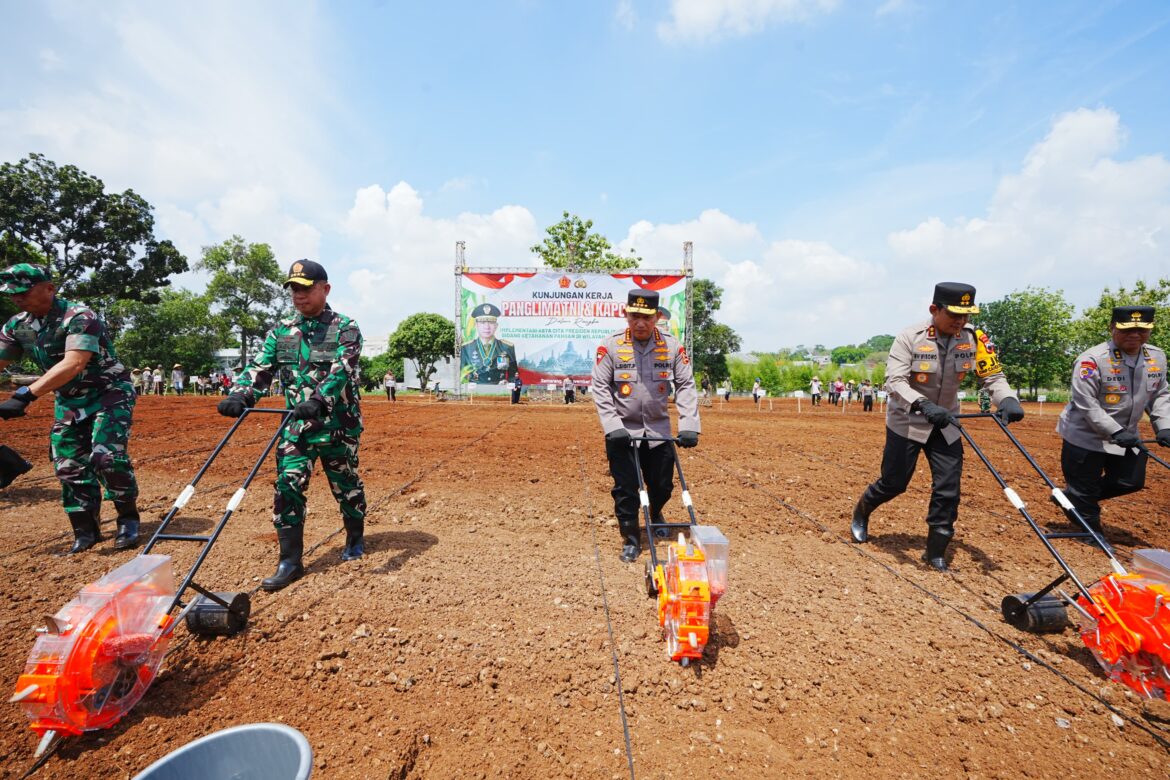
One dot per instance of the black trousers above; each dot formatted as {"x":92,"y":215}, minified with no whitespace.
{"x":946,"y":470}
{"x":515,"y":395}
{"x":867,"y":403}
{"x":570,"y":396}
{"x":657,"y":470}
{"x":1092,"y":477}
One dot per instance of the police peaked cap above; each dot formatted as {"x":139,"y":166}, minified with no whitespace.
{"x":642,"y":302}
{"x":1126,"y":317}
{"x":955,"y":297}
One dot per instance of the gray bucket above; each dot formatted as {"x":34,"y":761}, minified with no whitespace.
{"x":255,"y":751}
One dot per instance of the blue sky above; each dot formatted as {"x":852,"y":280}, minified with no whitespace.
{"x":829,"y":160}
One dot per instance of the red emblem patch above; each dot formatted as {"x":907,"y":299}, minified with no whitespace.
{"x":683,"y":351}
{"x":662,"y":387}
{"x":625,"y":390}
{"x":601,"y":352}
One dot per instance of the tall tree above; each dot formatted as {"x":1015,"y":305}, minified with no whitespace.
{"x":180,"y":328}
{"x":1093,"y":326}
{"x":847,"y":354}
{"x":1031,"y":329}
{"x":570,"y":245}
{"x":711,"y":341}
{"x":246,"y":286}
{"x":424,"y":339}
{"x":375,"y":368}
{"x":100,"y":245}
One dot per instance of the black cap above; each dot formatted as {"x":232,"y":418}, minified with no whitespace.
{"x":642,"y":302}
{"x":956,"y":297}
{"x":663,"y":313}
{"x":486,"y":312}
{"x":305,"y":272}
{"x":1126,"y":317}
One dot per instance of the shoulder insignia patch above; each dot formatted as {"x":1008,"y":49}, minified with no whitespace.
{"x":601,"y":353}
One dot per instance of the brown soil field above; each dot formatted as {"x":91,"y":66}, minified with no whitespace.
{"x":491,"y":631}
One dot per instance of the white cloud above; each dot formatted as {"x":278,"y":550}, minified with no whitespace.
{"x":206,"y":111}
{"x":625,"y":15}
{"x":777,"y":292}
{"x":892,"y":7}
{"x":1074,"y":217}
{"x":702,"y":20}
{"x":406,"y":259}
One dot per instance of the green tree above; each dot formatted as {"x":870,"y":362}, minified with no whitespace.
{"x":570,"y":245}
{"x":1031,"y":329}
{"x":100,"y":245}
{"x":711,"y":341}
{"x":878,"y":343}
{"x":374,"y":368}
{"x":424,"y":339}
{"x":847,"y":354}
{"x":1093,"y":326}
{"x":246,"y":286}
{"x":180,"y":328}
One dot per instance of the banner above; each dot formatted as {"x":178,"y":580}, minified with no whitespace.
{"x":547,"y":325}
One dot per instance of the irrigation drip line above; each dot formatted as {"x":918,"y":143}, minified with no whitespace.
{"x":1162,"y":741}
{"x":617,"y":672}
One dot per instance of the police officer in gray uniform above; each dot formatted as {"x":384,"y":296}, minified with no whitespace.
{"x":1113,"y":384}
{"x":926,"y":364}
{"x":632,"y":379}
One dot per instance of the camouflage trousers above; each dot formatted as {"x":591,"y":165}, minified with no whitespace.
{"x":294,"y":467}
{"x":91,"y":453}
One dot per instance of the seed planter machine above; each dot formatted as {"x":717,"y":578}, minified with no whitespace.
{"x":96,"y":657}
{"x":693,"y":577}
{"x":1123,"y":617}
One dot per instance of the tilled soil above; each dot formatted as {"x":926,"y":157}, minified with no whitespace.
{"x":491,"y":630}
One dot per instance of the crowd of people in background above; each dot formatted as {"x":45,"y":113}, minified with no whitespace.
{"x":153,"y":381}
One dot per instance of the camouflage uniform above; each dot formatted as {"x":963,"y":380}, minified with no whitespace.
{"x":92,"y":413}
{"x":314,"y":358}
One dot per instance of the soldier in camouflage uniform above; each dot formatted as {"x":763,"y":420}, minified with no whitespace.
{"x":94,"y":402}
{"x":315,"y":354}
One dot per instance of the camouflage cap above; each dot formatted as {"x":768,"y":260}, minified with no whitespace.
{"x":22,"y":277}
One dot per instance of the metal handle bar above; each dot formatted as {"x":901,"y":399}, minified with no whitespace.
{"x":1151,"y":454}
{"x":643,"y":496}
{"x":1018,"y":503}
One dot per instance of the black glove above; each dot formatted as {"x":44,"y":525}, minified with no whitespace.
{"x":1127,"y":440}
{"x":1163,"y":437}
{"x":309,"y":410}
{"x":688,"y":439}
{"x":14,"y":406}
{"x":1010,"y":410}
{"x":234,"y":405}
{"x":620,"y":435}
{"x":935,"y":414}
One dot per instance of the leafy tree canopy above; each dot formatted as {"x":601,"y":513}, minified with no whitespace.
{"x":424,"y":339}
{"x":848,"y":354}
{"x":374,"y":368}
{"x":1093,"y":326}
{"x":711,"y":341}
{"x":180,"y":328}
{"x":99,"y":245}
{"x":570,"y":245}
{"x":246,"y":286}
{"x":1032,"y":330}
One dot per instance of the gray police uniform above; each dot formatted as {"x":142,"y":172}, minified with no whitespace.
{"x":1110,"y":392}
{"x":926,"y":365}
{"x":631,"y":387}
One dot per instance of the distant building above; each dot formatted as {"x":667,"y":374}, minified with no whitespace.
{"x":373,"y":347}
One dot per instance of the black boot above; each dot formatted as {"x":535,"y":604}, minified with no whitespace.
{"x":937,"y":540}
{"x":86,"y":532}
{"x":355,"y":542}
{"x":289,"y":569}
{"x":656,"y":518}
{"x":631,"y":543}
{"x":127,"y":524}
{"x":11,"y":465}
{"x":860,"y":526}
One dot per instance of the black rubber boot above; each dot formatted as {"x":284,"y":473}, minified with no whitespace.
{"x":656,"y":518}
{"x":860,"y":525}
{"x":12,"y":465}
{"x":937,"y":540}
{"x":128,"y":520}
{"x":289,"y":569}
{"x":355,"y":541}
{"x":631,"y":543}
{"x":86,"y":532}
